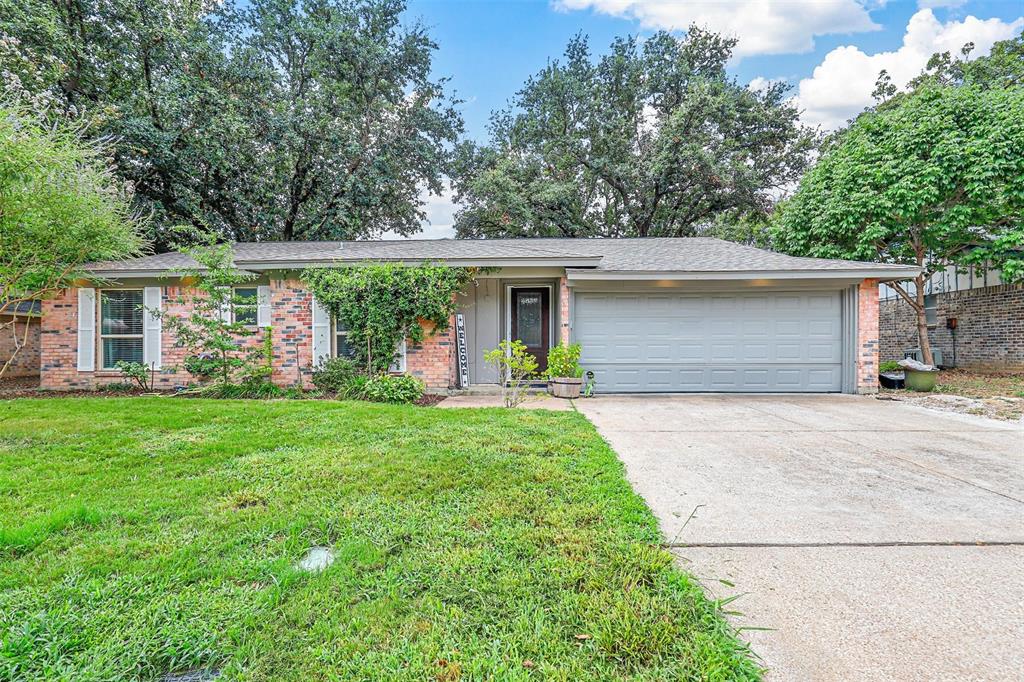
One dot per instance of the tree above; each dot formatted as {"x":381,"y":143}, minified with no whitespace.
{"x":651,"y":140}
{"x":930,"y":177}
{"x":61,"y":206}
{"x":270,"y":119}
{"x":211,"y":336}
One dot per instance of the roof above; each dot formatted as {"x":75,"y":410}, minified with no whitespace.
{"x":584,"y":258}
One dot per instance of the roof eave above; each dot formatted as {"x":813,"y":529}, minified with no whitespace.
{"x":883,"y":274}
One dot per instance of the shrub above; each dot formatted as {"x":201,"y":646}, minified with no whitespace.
{"x":890,"y":366}
{"x":334,"y":374}
{"x":564,"y":361}
{"x":137,"y":372}
{"x":248,"y":390}
{"x":515,"y":365}
{"x":386,"y":388}
{"x":201,"y":365}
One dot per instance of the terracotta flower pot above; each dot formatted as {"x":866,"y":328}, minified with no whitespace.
{"x":565,"y":387}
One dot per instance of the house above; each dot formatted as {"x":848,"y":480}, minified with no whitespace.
{"x":19,"y":339}
{"x":652,"y":315}
{"x":975,"y":320}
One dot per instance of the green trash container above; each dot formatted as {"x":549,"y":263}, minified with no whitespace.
{"x":917,"y":380}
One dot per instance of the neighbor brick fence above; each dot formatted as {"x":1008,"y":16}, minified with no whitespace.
{"x":989,"y":334}
{"x":26,"y":362}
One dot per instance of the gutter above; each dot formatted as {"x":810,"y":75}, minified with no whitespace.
{"x":885,"y":274}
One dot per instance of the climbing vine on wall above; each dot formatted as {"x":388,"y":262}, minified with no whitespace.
{"x":383,"y":303}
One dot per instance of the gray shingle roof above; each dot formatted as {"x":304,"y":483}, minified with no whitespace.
{"x":694,"y":254}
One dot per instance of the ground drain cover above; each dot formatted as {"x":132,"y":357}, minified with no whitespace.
{"x":317,"y":559}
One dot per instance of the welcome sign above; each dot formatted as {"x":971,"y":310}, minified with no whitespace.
{"x":460,"y":345}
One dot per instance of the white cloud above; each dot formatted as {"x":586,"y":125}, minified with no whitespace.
{"x":841,"y":85}
{"x":760,"y":83}
{"x":440,"y":222}
{"x":762,"y":26}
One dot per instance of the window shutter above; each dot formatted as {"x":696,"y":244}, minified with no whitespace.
{"x":225,"y":307}
{"x":152,"y":327}
{"x":263,"y":306}
{"x":398,"y":364}
{"x":321,"y":333}
{"x":86,"y":330}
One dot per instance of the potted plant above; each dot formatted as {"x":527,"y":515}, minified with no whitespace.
{"x":565,"y":376}
{"x":919,"y":376}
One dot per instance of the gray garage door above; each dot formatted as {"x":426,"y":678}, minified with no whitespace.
{"x":662,"y":342}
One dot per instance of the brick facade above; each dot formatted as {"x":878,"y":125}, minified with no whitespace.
{"x":989,"y":333}
{"x":867,"y":336}
{"x":563,"y":310}
{"x":26,"y":361}
{"x":291,"y":327}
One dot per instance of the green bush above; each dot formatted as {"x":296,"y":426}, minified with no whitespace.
{"x":564,"y":361}
{"x":890,"y":366}
{"x":137,"y":372}
{"x":201,"y":365}
{"x":248,"y":390}
{"x":387,"y":388}
{"x":334,"y":375}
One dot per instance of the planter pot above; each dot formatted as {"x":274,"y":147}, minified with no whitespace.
{"x":891,"y":379}
{"x":565,"y":387}
{"x":917,"y":380}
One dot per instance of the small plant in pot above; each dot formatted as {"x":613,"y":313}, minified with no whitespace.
{"x":565,"y":376}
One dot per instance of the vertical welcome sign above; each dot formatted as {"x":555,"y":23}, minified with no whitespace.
{"x":460,"y":346}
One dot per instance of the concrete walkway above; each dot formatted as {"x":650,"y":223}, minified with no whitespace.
{"x":849,"y":525}
{"x":533,"y":402}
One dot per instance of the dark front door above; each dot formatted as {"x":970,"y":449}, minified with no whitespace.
{"x":531,"y":321}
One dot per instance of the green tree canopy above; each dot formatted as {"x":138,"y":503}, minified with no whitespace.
{"x":61,"y":206}
{"x":653,"y":139}
{"x":930,"y":177}
{"x":265,"y":119}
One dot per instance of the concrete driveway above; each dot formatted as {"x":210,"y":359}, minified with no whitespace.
{"x":876,"y":540}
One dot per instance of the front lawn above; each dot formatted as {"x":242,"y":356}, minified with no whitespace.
{"x":145,"y":536}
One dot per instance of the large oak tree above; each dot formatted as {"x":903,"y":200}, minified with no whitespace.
{"x":265,"y":119}
{"x":652,"y":139}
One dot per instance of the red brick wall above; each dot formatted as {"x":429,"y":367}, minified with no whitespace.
{"x":563,"y":310}
{"x":26,"y":361}
{"x":867,"y":336}
{"x":291,"y":325}
{"x":433,"y":360}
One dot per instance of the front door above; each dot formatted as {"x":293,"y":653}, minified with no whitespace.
{"x":531,"y":321}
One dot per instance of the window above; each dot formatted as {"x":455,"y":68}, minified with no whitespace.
{"x":245,"y":305}
{"x":121,"y":327}
{"x":342,"y":349}
{"x":931,"y":313}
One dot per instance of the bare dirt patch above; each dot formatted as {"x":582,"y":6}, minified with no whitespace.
{"x":996,"y":395}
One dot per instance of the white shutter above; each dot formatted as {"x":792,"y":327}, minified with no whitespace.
{"x":398,"y":364}
{"x":321,"y":333}
{"x":152,"y":326}
{"x":225,"y":306}
{"x":86,"y":330}
{"x":263,"y":306}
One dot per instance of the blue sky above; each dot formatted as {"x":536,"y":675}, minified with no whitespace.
{"x":829,"y":51}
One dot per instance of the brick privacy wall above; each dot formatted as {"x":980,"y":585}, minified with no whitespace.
{"x":867,"y":336}
{"x":26,"y":362}
{"x":990,"y":327}
{"x":291,"y":325}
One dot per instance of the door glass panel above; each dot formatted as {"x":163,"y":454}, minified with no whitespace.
{"x":529,"y":318}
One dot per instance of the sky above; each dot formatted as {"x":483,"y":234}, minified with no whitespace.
{"x":828,"y":51}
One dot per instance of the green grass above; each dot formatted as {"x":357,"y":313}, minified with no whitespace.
{"x":141,"y":536}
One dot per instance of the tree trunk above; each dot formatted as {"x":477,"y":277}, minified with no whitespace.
{"x":922,"y":323}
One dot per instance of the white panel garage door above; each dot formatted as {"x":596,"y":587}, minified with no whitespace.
{"x":749,"y":342}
